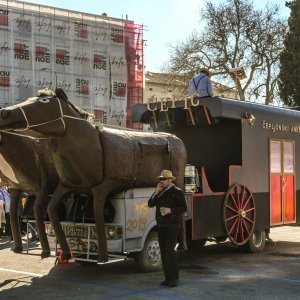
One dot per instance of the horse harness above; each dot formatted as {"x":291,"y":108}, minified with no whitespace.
{"x":61,"y":117}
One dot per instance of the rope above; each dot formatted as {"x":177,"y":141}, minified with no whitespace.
{"x":61,"y":118}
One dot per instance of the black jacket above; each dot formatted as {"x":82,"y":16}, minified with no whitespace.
{"x":173,"y":198}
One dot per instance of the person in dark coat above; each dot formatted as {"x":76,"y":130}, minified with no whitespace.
{"x":170,"y":204}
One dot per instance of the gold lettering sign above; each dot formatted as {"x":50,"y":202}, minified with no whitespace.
{"x":280,"y":127}
{"x":295,"y":128}
{"x":154,"y":103}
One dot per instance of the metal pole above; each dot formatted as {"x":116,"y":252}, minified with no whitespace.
{"x":236,"y":89}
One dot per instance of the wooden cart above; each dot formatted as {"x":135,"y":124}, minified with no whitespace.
{"x":247,"y":158}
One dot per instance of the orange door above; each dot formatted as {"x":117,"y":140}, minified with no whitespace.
{"x":282,"y":182}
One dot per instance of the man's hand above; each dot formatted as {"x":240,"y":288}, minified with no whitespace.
{"x":165,"y":210}
{"x":159,"y":188}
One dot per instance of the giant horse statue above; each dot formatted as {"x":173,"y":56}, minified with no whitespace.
{"x":93,"y":160}
{"x":26,"y":164}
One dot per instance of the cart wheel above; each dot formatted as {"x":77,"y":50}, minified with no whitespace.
{"x":256,"y":243}
{"x":239,"y":214}
{"x":149,"y":258}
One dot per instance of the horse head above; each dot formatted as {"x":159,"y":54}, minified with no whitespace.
{"x":43,"y":114}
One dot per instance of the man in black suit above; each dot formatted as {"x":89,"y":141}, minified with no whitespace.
{"x":170,"y":205}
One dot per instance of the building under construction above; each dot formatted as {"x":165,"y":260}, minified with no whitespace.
{"x":96,"y":59}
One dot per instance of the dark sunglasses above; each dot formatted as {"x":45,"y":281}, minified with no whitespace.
{"x":163,"y":179}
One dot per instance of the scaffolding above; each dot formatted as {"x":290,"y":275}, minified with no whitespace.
{"x":96,"y":59}
{"x":135,"y":65}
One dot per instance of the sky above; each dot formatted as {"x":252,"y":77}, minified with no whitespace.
{"x":165,"y":22}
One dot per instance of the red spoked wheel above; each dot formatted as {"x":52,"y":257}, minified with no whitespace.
{"x":239,"y":214}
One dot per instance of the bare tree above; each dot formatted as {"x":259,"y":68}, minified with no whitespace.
{"x":289,"y":76}
{"x":234,"y":34}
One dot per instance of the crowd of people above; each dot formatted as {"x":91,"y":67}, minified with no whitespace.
{"x":4,"y":210}
{"x":5,"y":228}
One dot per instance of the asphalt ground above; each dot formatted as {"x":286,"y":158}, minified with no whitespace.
{"x":217,"y":271}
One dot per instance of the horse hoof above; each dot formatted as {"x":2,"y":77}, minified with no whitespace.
{"x":102,"y":259}
{"x":18,"y":249}
{"x":65,"y":256}
{"x":45,"y":254}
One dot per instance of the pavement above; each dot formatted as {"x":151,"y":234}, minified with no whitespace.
{"x":217,"y":271}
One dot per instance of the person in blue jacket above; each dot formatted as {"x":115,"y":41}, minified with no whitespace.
{"x":201,"y":84}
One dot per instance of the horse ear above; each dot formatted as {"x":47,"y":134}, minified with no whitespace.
{"x":60,"y":93}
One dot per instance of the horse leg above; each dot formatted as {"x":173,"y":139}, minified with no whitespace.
{"x":99,"y":194}
{"x":14,"y":219}
{"x":60,"y":191}
{"x":40,"y":202}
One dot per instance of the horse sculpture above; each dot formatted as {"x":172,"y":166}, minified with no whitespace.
{"x":32,"y":172}
{"x":93,"y":160}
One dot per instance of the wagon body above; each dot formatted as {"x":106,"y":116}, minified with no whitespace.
{"x":238,"y":148}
